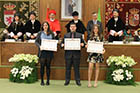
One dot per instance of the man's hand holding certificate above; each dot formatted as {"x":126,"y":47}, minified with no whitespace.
{"x":95,"y":47}
{"x":50,"y":45}
{"x":72,"y":44}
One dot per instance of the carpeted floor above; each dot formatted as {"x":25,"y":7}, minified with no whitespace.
{"x":57,"y":86}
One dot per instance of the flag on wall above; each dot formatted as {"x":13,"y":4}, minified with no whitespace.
{"x":99,"y":15}
{"x":9,"y":7}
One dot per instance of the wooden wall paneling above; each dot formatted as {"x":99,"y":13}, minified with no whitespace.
{"x":9,"y":49}
{"x":0,"y":54}
{"x":88,"y":6}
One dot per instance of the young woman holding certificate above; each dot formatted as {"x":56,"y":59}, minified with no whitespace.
{"x":45,"y":56}
{"x":96,"y":58}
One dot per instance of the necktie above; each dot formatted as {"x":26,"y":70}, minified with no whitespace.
{"x":72,"y":35}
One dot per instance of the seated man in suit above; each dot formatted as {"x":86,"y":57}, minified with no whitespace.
{"x":15,"y":30}
{"x":72,"y":57}
{"x":32,"y":26}
{"x":115,"y":27}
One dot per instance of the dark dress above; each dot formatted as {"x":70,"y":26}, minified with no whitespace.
{"x":95,"y":57}
{"x":80,"y":27}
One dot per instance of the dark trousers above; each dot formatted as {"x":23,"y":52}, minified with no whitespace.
{"x":45,"y":62}
{"x":76,"y":64}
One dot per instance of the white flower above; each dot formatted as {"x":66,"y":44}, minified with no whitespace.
{"x":25,"y":72}
{"x":118,"y":75}
{"x":123,"y":61}
{"x":129,"y":75}
{"x":123,"y":65}
{"x":23,"y":77}
{"x":24,"y":57}
{"x":14,"y":71}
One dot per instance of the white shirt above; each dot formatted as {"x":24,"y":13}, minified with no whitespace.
{"x":32,"y":21}
{"x":95,"y":21}
{"x":52,"y":19}
{"x":75,"y":21}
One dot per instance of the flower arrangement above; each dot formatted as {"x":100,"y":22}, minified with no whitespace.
{"x":24,"y":69}
{"x":24,"y":57}
{"x":120,"y":71}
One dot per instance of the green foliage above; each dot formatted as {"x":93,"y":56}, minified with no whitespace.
{"x":117,"y":74}
{"x":30,"y":70}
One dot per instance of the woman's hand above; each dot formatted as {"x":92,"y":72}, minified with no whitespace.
{"x":32,"y":36}
{"x":41,"y":48}
{"x":62,"y":45}
{"x":86,"y":45}
{"x":103,"y":51}
{"x":15,"y":37}
{"x":82,"y":44}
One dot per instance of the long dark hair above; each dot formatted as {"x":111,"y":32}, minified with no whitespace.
{"x":48,"y":30}
{"x":93,"y":33}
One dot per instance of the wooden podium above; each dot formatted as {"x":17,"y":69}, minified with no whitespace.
{"x":7,"y":50}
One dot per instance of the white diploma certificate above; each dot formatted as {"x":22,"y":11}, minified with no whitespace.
{"x":95,"y":47}
{"x":72,"y":44}
{"x":50,"y":45}
{"x":10,"y":40}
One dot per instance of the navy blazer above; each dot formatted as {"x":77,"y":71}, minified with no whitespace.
{"x":73,"y":53}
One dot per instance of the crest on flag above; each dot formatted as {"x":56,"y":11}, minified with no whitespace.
{"x":134,"y":17}
{"x":9,"y":13}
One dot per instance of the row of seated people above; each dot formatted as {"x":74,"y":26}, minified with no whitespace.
{"x":129,"y":35}
{"x":115,"y":26}
{"x":29,"y":31}
{"x":19,"y":31}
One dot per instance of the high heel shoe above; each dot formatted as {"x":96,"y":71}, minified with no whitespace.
{"x":89,"y":85}
{"x":95,"y":85}
{"x":47,"y":83}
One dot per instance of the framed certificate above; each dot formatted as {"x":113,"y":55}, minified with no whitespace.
{"x":95,"y":47}
{"x":72,"y":44}
{"x":50,"y":45}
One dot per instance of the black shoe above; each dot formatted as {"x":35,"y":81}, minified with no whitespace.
{"x":42,"y":84}
{"x":47,"y":83}
{"x":78,"y":83}
{"x":66,"y":83}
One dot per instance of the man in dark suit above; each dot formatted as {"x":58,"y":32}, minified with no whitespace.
{"x":72,"y":57}
{"x":92,"y":22}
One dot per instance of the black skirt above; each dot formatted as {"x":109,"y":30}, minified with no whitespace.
{"x":46,"y":54}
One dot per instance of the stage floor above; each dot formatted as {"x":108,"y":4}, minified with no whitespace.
{"x":57,"y":86}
